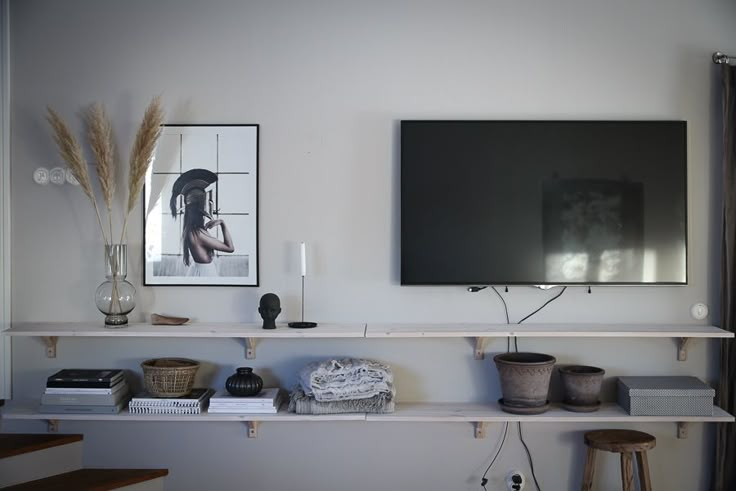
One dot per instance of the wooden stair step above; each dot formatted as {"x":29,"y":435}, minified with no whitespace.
{"x":91,"y":480}
{"x":12,"y":444}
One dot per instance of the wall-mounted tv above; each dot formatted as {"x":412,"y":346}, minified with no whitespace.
{"x":543,"y":202}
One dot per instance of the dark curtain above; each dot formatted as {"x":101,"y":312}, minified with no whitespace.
{"x":725,"y":462}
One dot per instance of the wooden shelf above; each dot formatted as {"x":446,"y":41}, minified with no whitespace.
{"x":684,"y":334}
{"x":482,"y":332}
{"x":476,"y":413}
{"x":422,"y":412}
{"x":482,"y":414}
{"x":50,"y":332}
{"x":544,"y":330}
{"x":30,"y":410}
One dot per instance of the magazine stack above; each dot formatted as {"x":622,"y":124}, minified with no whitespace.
{"x":193,"y":403}
{"x":93,"y":391}
{"x":266,"y":401}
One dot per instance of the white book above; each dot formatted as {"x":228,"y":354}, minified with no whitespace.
{"x":267,"y":396}
{"x":248,"y":405}
{"x":230,"y":410}
{"x":83,"y":390}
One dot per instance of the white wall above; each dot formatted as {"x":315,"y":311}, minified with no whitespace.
{"x":328,"y":82}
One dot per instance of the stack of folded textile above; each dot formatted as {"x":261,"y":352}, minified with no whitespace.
{"x":349,"y":385}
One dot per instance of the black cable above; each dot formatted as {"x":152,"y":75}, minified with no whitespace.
{"x":483,"y":480}
{"x":544,"y":304}
{"x":505,"y":307}
{"x":529,"y":456}
{"x":508,"y":321}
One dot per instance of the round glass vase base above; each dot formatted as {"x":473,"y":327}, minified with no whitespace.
{"x":116,"y":321}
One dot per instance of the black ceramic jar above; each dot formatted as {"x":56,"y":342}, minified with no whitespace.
{"x":244,"y":383}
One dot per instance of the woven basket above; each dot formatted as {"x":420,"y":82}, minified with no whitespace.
{"x":169,"y":377}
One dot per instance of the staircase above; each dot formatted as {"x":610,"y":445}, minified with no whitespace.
{"x":51,"y":462}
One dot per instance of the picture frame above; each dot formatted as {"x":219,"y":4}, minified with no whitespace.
{"x":201,"y":207}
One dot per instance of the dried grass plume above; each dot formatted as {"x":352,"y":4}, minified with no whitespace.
{"x":70,"y":151}
{"x":99,"y":133}
{"x":142,"y":154}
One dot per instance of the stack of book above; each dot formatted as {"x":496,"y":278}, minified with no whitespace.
{"x":145,"y":403}
{"x":265,"y":402}
{"x":102,"y":391}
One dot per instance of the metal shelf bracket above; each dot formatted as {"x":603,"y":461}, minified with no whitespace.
{"x":682,"y":428}
{"x":682,"y":348}
{"x":252,"y":428}
{"x":250,"y":348}
{"x":50,"y":342}
{"x":53,"y":426}
{"x":480,"y":348}
{"x":480,"y":429}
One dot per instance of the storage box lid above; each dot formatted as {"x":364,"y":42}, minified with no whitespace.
{"x":666,"y":386}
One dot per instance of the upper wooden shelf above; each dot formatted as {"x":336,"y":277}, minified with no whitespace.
{"x":190,"y":330}
{"x":51,"y":331}
{"x":482,"y":332}
{"x":545,"y":330}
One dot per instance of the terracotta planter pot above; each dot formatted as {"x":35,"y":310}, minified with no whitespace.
{"x":524,"y":381}
{"x":582,"y":385}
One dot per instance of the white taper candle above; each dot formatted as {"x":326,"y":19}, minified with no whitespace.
{"x":304,"y":258}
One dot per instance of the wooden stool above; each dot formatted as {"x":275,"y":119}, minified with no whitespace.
{"x":624,"y":442}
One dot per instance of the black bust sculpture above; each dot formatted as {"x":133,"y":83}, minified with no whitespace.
{"x":269,"y":308}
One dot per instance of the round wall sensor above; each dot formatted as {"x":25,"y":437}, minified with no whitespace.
{"x":70,"y":177}
{"x":57,"y":176}
{"x":699,"y":311}
{"x":41,"y":176}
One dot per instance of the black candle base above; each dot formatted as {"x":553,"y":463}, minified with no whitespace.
{"x":302,"y":325}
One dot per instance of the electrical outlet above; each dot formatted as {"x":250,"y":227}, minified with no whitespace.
{"x":515,"y":481}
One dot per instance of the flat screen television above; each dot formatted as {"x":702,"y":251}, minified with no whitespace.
{"x":543,"y":202}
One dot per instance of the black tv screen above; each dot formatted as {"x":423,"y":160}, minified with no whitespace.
{"x":543,"y":202}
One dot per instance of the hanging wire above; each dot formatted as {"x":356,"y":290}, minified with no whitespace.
{"x":506,"y":311}
{"x":484,"y":479}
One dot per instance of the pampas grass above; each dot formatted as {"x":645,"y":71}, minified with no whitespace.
{"x":99,"y":134}
{"x":71,"y":152}
{"x":142,"y":154}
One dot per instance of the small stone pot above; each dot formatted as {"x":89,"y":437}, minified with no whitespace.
{"x":582,"y":386}
{"x":524,"y":381}
{"x":244,"y":383}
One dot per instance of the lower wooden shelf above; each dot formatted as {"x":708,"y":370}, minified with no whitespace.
{"x":476,"y":413}
{"x":492,"y":413}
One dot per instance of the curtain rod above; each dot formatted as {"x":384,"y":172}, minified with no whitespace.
{"x":721,"y":58}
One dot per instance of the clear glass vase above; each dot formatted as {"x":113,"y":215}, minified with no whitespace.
{"x":115,"y":297}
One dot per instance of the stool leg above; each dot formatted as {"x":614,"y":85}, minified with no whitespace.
{"x":627,"y":471}
{"x":643,"y":466}
{"x":589,"y":470}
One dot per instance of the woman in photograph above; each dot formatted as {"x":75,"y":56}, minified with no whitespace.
{"x":198,"y":245}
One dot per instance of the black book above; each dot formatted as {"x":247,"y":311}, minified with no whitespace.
{"x":85,"y":378}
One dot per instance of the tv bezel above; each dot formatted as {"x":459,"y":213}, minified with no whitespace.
{"x":545,"y":284}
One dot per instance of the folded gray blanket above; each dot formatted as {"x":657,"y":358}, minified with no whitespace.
{"x":345,"y":379}
{"x":301,"y":403}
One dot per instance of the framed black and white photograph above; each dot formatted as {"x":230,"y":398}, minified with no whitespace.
{"x":201,"y":207}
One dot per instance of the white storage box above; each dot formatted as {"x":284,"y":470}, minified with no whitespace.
{"x":665,"y":396}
